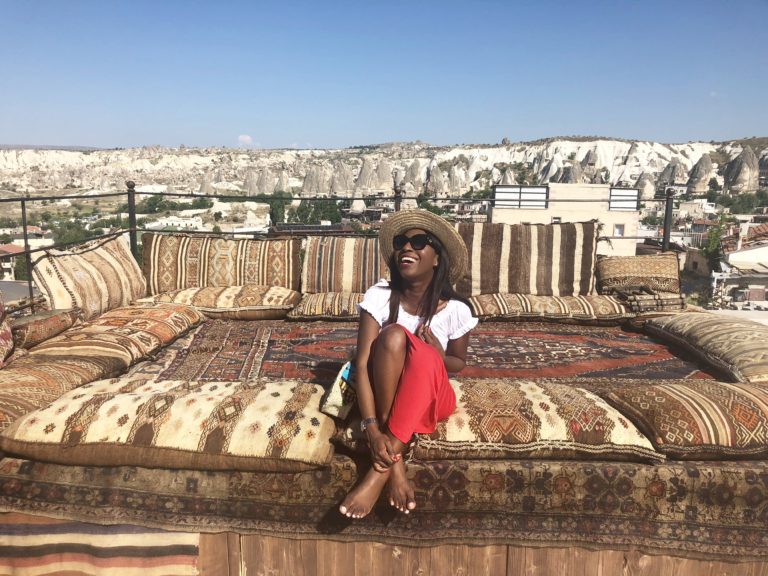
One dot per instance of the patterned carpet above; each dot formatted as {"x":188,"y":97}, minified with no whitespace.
{"x":226,"y":350}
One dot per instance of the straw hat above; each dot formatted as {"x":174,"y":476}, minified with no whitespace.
{"x":443,"y":230}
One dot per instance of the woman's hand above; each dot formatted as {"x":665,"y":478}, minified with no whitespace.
{"x":383,"y":454}
{"x":425,"y":333}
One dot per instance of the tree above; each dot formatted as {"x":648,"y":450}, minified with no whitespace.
{"x":20,"y":268}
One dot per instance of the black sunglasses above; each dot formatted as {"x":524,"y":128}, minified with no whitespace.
{"x":417,"y":241}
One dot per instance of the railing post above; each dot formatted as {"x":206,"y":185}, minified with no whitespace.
{"x":27,"y":255}
{"x":132,"y":217}
{"x":670,"y":195}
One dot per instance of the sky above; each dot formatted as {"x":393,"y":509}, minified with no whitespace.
{"x":303,"y":74}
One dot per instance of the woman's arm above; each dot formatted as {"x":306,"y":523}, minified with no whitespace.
{"x":367,"y":331}
{"x":455,"y":354}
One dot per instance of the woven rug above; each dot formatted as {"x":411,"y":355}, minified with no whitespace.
{"x":242,"y":350}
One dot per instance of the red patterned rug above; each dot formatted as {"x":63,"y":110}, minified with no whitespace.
{"x":227,"y":350}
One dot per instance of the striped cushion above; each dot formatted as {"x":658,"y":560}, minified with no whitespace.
{"x":339,"y":264}
{"x":501,"y":418}
{"x":249,"y":302}
{"x":95,"y":277}
{"x":525,"y":306}
{"x":330,"y":306}
{"x":698,"y":419}
{"x":736,"y":346}
{"x":177,"y":261}
{"x":659,"y":272}
{"x":541,"y":259}
{"x":256,"y":425}
{"x":29,"y":331}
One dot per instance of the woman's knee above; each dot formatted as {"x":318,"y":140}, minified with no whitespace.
{"x":392,"y":338}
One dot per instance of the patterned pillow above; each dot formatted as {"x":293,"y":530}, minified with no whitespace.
{"x":329,"y":306}
{"x":734,"y":345}
{"x":256,"y":425}
{"x":177,"y":261}
{"x":29,"y":331}
{"x":6,"y":337}
{"x":95,"y":277}
{"x":339,"y":264}
{"x":659,"y":272}
{"x":698,"y":420}
{"x":541,"y":259}
{"x":496,"y":418}
{"x":249,"y":302}
{"x":527,"y":307}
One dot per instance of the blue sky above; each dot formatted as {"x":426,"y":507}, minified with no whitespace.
{"x":113,"y":73}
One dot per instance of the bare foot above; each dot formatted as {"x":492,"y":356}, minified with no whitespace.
{"x":401,"y":494}
{"x":362,"y":498}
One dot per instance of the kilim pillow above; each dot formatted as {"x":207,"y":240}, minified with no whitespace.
{"x":659,"y":272}
{"x":6,"y":336}
{"x":698,"y":419}
{"x":540,"y":259}
{"x":737,"y":346}
{"x":29,"y":331}
{"x":500,"y":418}
{"x":327,"y":306}
{"x":178,"y":261}
{"x":95,"y":277}
{"x":341,"y":264}
{"x":249,"y":302}
{"x":256,"y":425}
{"x":529,"y":307}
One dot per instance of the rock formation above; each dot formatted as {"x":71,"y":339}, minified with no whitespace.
{"x":698,"y":182}
{"x":742,"y":173}
{"x":342,"y":181}
{"x":266,"y":182}
{"x":675,"y":173}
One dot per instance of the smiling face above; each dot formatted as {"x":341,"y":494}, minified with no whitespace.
{"x":415,"y":263}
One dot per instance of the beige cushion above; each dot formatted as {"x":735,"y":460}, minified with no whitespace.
{"x":540,"y":259}
{"x":327,"y":306}
{"x":698,"y":419}
{"x":659,"y":272}
{"x":96,"y":277}
{"x":249,"y":302}
{"x":259,"y":425}
{"x":29,"y":331}
{"x":340,"y":264}
{"x":529,"y":307}
{"x":497,"y":418}
{"x":737,"y":346}
{"x":178,"y":261}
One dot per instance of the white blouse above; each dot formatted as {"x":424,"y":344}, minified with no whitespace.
{"x":450,"y":323}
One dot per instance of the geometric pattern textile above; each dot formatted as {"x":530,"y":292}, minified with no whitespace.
{"x":249,"y":302}
{"x":698,"y":420}
{"x":256,"y":425}
{"x":327,"y":306}
{"x":539,"y":259}
{"x":338,"y":264}
{"x":659,"y":302}
{"x":714,"y":510}
{"x":526,"y":306}
{"x":6,"y":336}
{"x":498,"y":418}
{"x":734,"y":345}
{"x":658,"y":272}
{"x":176,"y":261}
{"x":95,"y":277}
{"x":29,"y":331}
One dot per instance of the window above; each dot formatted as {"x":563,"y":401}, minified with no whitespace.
{"x":556,"y":219}
{"x":618,"y":230}
{"x":625,"y":199}
{"x":527,"y":197}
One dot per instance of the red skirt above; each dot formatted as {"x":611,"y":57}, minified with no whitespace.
{"x":424,"y":395}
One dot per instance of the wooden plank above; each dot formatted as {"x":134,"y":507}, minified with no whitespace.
{"x":219,"y":554}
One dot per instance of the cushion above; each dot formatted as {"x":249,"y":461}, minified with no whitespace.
{"x":177,"y":261}
{"x":29,"y":331}
{"x":541,"y":259}
{"x":95,"y":277}
{"x":528,"y":307}
{"x":341,"y":264}
{"x":642,"y":303}
{"x":698,"y":419}
{"x":249,"y":302}
{"x":497,"y":418}
{"x":736,"y":346}
{"x":6,"y":337}
{"x":327,"y":306}
{"x":659,"y":272}
{"x":257,"y":425}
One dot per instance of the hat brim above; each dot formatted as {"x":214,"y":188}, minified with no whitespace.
{"x":449,"y":237}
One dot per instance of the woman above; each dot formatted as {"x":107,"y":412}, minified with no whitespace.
{"x":413,"y":330}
